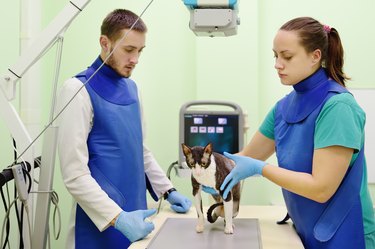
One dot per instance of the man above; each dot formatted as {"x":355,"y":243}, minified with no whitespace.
{"x":104,"y":163}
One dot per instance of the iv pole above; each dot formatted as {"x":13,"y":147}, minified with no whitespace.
{"x":44,"y":42}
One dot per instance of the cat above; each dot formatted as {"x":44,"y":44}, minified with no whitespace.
{"x":209,"y":168}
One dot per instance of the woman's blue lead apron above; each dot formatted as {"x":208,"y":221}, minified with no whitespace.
{"x":338,"y":223}
{"x":115,"y":152}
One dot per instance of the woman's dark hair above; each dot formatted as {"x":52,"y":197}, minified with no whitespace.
{"x":313,"y":35}
{"x":121,"y":19}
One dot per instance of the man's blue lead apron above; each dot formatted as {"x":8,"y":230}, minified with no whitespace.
{"x":338,"y":223}
{"x":115,"y":152}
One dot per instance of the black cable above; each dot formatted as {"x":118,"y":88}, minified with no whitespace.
{"x":5,"y":176}
{"x":21,"y":227}
{"x":15,"y":151}
{"x":20,"y":223}
{"x":4,"y":201}
{"x":26,"y":172}
{"x":19,"y":219}
{"x":8,"y":222}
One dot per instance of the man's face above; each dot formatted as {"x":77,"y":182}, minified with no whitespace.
{"x":127,"y":52}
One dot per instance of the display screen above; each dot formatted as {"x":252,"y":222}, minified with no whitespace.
{"x":220,"y":130}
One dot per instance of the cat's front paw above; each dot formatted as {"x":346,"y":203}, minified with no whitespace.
{"x":199,"y":228}
{"x":228,"y":229}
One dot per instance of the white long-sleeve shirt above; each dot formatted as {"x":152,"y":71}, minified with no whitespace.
{"x":75,"y":124}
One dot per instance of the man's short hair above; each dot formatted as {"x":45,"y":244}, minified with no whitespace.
{"x":121,"y":19}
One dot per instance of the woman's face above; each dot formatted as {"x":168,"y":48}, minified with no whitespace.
{"x":292,"y":62}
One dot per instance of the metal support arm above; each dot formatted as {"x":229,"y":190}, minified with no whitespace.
{"x":8,"y":80}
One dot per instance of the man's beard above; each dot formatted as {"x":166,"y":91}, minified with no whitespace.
{"x":113,"y":64}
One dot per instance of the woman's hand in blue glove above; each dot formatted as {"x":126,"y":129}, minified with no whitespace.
{"x":179,"y":203}
{"x":245,"y":167}
{"x":133,"y":224}
{"x":209,"y":190}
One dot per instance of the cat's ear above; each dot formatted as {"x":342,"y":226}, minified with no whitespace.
{"x":208,"y":148}
{"x":186,"y":149}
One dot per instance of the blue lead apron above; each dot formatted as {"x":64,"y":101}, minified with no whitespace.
{"x":115,"y":153}
{"x":338,"y":223}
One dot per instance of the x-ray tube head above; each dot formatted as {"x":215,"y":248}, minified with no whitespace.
{"x":213,"y":17}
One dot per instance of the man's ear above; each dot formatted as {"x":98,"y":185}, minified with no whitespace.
{"x":105,"y":43}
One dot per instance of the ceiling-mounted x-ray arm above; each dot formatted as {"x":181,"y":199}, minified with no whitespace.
{"x":15,"y":72}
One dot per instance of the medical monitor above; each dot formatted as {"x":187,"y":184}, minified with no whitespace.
{"x":203,"y":122}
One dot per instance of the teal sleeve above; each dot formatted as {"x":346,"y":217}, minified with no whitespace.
{"x":340,"y":122}
{"x":267,"y":127}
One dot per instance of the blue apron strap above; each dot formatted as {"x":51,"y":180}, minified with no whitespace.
{"x":342,"y":203}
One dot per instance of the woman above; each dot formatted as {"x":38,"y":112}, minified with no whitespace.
{"x":317,"y":132}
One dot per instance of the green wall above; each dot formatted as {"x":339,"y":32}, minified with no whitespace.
{"x":177,"y":67}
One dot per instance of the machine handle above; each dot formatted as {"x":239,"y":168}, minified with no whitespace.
{"x":233,"y":105}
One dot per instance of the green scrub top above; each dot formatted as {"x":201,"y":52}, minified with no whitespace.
{"x":340,"y":122}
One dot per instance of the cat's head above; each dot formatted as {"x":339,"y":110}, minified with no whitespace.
{"x":197,"y":155}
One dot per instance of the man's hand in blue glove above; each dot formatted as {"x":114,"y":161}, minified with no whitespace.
{"x":209,"y":190}
{"x":245,"y":167}
{"x":133,"y":224}
{"x":179,"y":203}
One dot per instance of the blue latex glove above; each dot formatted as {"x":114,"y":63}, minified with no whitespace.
{"x":179,"y":203}
{"x":209,"y":190}
{"x":133,"y":224}
{"x":245,"y":167}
